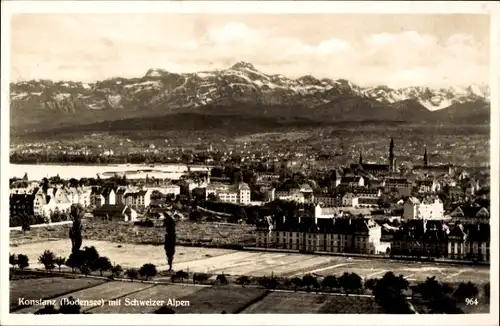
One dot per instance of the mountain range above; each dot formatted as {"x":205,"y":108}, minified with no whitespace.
{"x":239,"y":91}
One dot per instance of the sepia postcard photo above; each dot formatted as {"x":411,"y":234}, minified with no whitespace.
{"x":302,"y":163}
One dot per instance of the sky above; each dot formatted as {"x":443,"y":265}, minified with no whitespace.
{"x":367,"y":49}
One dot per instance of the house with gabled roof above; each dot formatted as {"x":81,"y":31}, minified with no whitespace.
{"x":456,"y":242}
{"x":470,"y":214}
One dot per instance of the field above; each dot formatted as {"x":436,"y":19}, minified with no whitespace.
{"x":106,"y":291}
{"x":43,"y":288}
{"x":215,"y":300}
{"x":306,"y":303}
{"x":260,"y":263}
{"x":156,"y":292}
{"x":188,"y":233}
{"x":127,"y":255}
{"x":197,"y":299}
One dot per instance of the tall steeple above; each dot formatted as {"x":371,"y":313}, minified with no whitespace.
{"x":426,"y":160}
{"x":391,"y":155}
{"x":360,"y":158}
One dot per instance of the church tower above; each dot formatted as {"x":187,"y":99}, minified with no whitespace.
{"x":391,"y":156}
{"x":426,"y":160}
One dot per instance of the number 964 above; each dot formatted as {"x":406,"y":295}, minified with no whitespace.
{"x":471,"y":301}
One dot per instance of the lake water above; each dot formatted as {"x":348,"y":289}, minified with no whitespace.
{"x":133,"y":171}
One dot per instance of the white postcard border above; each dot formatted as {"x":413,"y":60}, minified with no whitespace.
{"x":437,"y":7}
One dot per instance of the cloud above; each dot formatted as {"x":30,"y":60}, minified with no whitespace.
{"x":85,"y":47}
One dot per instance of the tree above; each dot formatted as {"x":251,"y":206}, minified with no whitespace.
{"x":116,"y":270}
{"x":47,"y":310}
{"x":486,"y":290}
{"x":388,"y":292}
{"x":148,"y":271}
{"x":164,"y":310}
{"x":90,"y":257}
{"x":59,"y":261}
{"x":103,"y":264}
{"x":269,"y":282}
{"x":26,"y":222}
{"x":438,"y":302}
{"x":74,"y":260}
{"x":131,"y":273}
{"x":222,"y":279}
{"x":75,"y":233}
{"x":22,"y":261}
{"x":308,"y":281}
{"x":200,"y":277}
{"x":69,"y":306}
{"x":350,"y":281}
{"x":370,"y":284}
{"x":466,"y":290}
{"x":170,"y":240}
{"x":181,"y":275}
{"x":330,"y":282}
{"x":47,"y":259}
{"x":85,"y":269}
{"x":194,"y":216}
{"x":25,"y":178}
{"x":13,"y":260}
{"x":243,"y":280}
{"x":297,"y":282}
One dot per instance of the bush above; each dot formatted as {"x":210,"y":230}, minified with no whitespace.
{"x":145,"y":223}
{"x":116,"y":270}
{"x":59,"y":261}
{"x":47,"y":259}
{"x":243,"y":280}
{"x":74,"y":261}
{"x":164,"y":310}
{"x":132,"y":273}
{"x":200,"y":277}
{"x":486,"y":290}
{"x":47,"y":310}
{"x":148,"y":271}
{"x":13,"y":260}
{"x":466,"y":290}
{"x":22,"y":261}
{"x":68,"y":307}
{"x":103,"y":264}
{"x":222,"y":279}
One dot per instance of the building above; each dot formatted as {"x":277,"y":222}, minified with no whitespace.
{"x":116,"y":212}
{"x":470,"y":214}
{"x":236,"y":194}
{"x":22,"y":204}
{"x":350,"y":200}
{"x":420,"y":238}
{"x":478,"y":242}
{"x":399,"y":185}
{"x":109,"y":196}
{"x":84,"y":196}
{"x":168,"y":190}
{"x":293,"y":194}
{"x":427,"y":168}
{"x":120,"y":195}
{"x":368,"y":197}
{"x":322,"y":235}
{"x":138,"y":200}
{"x":56,"y":203}
{"x":356,"y":181}
{"x":96,"y":197}
{"x":328,"y":200}
{"x":428,"y":186}
{"x":427,"y":209}
{"x":377,"y":169}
